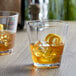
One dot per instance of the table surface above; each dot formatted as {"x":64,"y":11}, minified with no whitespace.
{"x":19,"y":63}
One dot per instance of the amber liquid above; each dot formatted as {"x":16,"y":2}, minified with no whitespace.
{"x":6,"y":40}
{"x":46,"y":54}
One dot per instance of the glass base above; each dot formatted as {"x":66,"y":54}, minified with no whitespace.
{"x":6,"y":52}
{"x":47,"y":65}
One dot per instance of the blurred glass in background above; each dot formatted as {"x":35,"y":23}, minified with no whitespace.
{"x":40,"y":9}
{"x":50,"y":9}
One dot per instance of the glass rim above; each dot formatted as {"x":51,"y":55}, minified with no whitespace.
{"x":14,"y":13}
{"x":46,"y":21}
{"x":53,"y":20}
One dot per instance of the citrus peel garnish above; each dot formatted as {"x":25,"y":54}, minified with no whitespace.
{"x":53,"y":39}
{"x":1,"y":27}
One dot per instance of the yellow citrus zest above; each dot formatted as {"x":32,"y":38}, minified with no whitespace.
{"x":1,"y":27}
{"x":53,"y":39}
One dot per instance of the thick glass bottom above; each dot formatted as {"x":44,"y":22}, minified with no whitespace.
{"x":56,"y":65}
{"x":6,"y":52}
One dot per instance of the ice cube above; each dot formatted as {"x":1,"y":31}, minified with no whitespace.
{"x":38,"y":53}
{"x":4,"y":38}
{"x":6,"y":43}
{"x":41,"y":48}
{"x":1,"y":37}
{"x":44,"y":44}
{"x":37,"y":43}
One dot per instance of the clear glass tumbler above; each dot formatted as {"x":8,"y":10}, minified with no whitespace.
{"x":8,"y":26}
{"x":47,"y":40}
